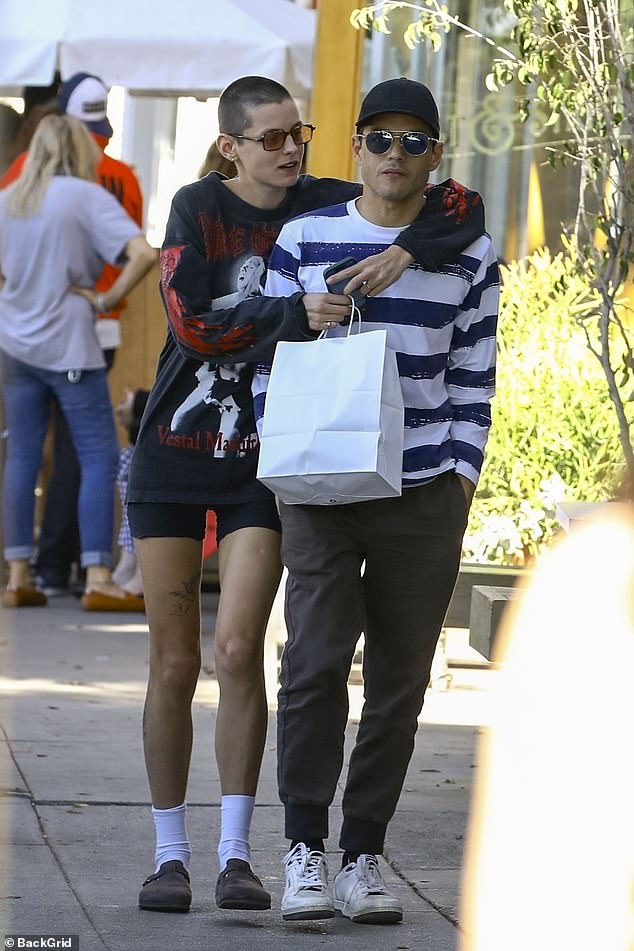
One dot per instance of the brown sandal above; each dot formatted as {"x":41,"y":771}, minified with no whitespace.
{"x":23,"y":598}
{"x":238,"y":887}
{"x":167,"y":890}
{"x":101,"y":601}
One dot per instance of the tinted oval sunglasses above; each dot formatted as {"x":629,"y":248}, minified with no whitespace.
{"x":273,"y":140}
{"x":380,"y":141}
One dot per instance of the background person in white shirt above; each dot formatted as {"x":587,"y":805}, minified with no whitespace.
{"x":57,"y":227}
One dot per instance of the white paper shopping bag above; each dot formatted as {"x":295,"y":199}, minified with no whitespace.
{"x":332,"y":430}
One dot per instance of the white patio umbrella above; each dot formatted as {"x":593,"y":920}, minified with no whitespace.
{"x":172,"y":47}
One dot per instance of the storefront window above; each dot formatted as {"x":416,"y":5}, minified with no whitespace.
{"x":486,"y":144}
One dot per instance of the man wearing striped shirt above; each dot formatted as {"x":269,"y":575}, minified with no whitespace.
{"x":387,"y":567}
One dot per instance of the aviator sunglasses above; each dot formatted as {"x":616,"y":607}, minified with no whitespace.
{"x":274,"y":139}
{"x":381,"y":141}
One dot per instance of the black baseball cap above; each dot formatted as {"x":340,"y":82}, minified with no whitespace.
{"x":401,"y":95}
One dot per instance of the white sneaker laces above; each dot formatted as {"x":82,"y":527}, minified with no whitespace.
{"x":370,"y":879}
{"x":308,"y":865}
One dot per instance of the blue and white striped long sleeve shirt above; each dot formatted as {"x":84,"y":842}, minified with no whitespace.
{"x":440,"y":324}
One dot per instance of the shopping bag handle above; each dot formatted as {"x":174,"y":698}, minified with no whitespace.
{"x":355,"y":314}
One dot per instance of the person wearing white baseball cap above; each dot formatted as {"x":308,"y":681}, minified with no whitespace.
{"x":86,"y":97}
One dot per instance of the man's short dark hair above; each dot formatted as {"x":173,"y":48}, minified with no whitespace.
{"x":245,"y":94}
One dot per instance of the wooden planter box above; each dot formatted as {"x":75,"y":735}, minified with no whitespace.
{"x":475,"y":574}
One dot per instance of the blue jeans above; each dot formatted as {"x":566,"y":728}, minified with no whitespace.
{"x":28,"y":393}
{"x":58,"y":545}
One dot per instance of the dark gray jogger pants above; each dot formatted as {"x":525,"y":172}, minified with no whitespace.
{"x":411,"y":547}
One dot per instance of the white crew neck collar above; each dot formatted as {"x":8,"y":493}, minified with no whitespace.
{"x":354,"y":212}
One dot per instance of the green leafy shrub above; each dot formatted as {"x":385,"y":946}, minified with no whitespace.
{"x":555,"y":432}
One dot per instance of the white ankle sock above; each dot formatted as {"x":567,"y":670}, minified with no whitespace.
{"x":235,"y":824}
{"x":171,"y":835}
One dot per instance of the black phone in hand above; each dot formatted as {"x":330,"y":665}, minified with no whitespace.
{"x":337,"y":286}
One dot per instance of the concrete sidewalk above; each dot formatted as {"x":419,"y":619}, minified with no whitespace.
{"x":76,"y":835}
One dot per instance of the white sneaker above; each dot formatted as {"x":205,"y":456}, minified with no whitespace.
{"x":306,"y":895}
{"x":362,"y":895}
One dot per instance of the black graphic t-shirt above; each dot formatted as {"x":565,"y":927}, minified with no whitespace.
{"x":198,"y":441}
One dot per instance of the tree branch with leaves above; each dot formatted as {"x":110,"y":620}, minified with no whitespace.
{"x":576,"y":57}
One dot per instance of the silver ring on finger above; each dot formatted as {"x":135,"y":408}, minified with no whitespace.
{"x":329,"y":324}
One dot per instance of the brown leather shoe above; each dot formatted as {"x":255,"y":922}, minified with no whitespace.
{"x":239,"y":887}
{"x":167,"y":890}
{"x":23,"y":598}
{"x":100,"y":601}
